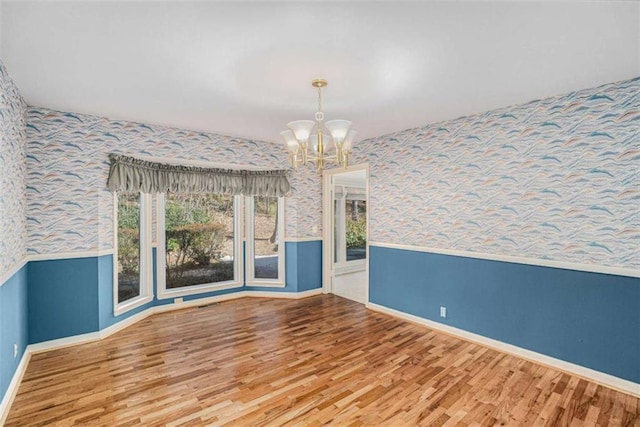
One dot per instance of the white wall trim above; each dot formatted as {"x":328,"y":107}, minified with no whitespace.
{"x":283,"y":295}
{"x":327,"y":225}
{"x":91,"y":336}
{"x":264,"y":283}
{"x":41,"y":347}
{"x":601,"y":378}
{"x":302,"y":239}
{"x":12,"y":271}
{"x":250,"y":250}
{"x":236,"y":295}
{"x":69,"y":255}
{"x":196,"y":289}
{"x":50,"y":257}
{"x":131,"y":320}
{"x":128,"y":305}
{"x":618,"y":271}
{"x":12,"y":390}
{"x":98,"y":335}
{"x":145,"y":277}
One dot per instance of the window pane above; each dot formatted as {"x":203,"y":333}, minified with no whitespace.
{"x":266,"y":239}
{"x":198,"y":239}
{"x":356,"y":218}
{"x":336,"y":232}
{"x":128,"y":246}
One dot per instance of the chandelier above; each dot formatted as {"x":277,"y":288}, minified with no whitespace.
{"x":324,"y":136}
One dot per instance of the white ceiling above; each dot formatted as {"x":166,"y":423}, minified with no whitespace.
{"x":244,"y":69}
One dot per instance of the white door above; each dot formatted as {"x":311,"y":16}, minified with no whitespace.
{"x":346,"y":232}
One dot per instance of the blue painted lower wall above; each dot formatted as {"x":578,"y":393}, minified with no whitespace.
{"x":63,"y":298}
{"x":13,"y":325}
{"x":589,"y":319}
{"x":304,"y":265}
{"x":75,"y":296}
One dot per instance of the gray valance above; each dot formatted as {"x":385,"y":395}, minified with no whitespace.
{"x":131,"y":174}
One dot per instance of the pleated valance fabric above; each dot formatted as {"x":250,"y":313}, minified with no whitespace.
{"x":136,"y":175}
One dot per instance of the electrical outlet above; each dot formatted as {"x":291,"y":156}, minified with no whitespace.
{"x":178,"y":300}
{"x":15,"y":350}
{"x":443,"y":311}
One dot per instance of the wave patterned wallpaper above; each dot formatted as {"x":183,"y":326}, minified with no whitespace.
{"x":553,"y":179}
{"x":12,"y":174}
{"x":69,"y":207}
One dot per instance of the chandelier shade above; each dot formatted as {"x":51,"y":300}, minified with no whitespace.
{"x":338,"y":129}
{"x":323,"y":136}
{"x":302,"y":129}
{"x":348,"y":140}
{"x":291,"y":141}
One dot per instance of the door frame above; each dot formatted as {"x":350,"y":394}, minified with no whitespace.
{"x":327,"y":226}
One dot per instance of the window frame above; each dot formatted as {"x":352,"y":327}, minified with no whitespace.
{"x":249,"y":216}
{"x":237,"y":282}
{"x":146,"y":262}
{"x":342,"y":266}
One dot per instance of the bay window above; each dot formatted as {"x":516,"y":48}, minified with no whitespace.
{"x":264,"y":243}
{"x":132,"y":254}
{"x":199,"y":243}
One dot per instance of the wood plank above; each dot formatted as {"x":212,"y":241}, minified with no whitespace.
{"x":321,"y":360}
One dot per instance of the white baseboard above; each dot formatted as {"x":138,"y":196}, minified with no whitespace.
{"x":235,"y":295}
{"x":7,"y":400}
{"x":601,"y":378}
{"x":104,"y":333}
{"x":12,"y":390}
{"x":95,"y":336}
{"x":41,"y":347}
{"x":283,"y":295}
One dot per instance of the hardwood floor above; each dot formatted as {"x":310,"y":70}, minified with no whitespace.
{"x":320,"y":360}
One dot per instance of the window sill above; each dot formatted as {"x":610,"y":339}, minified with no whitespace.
{"x":196,"y":289}
{"x":131,"y":304}
{"x":267,"y":284}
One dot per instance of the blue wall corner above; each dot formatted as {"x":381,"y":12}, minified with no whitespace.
{"x":63,"y":298}
{"x":14,"y":328}
{"x":291,"y":265}
{"x":309,"y":265}
{"x":589,"y":319}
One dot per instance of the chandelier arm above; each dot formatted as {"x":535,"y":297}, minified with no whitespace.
{"x":332,"y":157}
